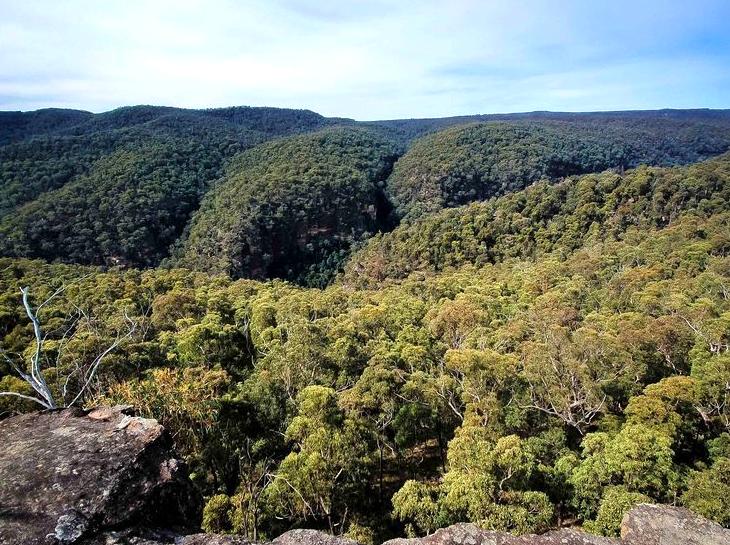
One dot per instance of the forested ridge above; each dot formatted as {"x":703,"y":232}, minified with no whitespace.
{"x":58,"y":189}
{"x":290,"y":208}
{"x":542,"y":218}
{"x":58,"y":168}
{"x":384,"y":328}
{"x":129,"y":209}
{"x":479,"y":161}
{"x":22,"y":126}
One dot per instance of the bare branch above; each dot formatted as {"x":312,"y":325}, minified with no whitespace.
{"x":35,"y":377}
{"x":95,"y":364}
{"x":35,"y":369}
{"x":60,"y":290}
{"x":29,"y":398}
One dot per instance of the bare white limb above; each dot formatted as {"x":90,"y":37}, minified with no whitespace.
{"x":35,"y":378}
{"x":29,"y":398}
{"x":97,"y":361}
{"x":38,"y":382}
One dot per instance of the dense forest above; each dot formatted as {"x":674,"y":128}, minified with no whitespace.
{"x":121,"y":187}
{"x":476,"y":162}
{"x":291,"y":208}
{"x":387,"y":327}
{"x":59,"y":169}
{"x":543,"y":218}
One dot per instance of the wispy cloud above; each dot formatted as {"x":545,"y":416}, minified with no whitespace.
{"x":366,"y":59}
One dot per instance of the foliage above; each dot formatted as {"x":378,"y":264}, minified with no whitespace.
{"x":127,"y":208}
{"x":327,"y":464}
{"x":217,"y":515}
{"x":708,"y":492}
{"x":616,"y":502}
{"x":488,"y":482}
{"x":542,"y":219}
{"x":419,"y":503}
{"x":119,"y":187}
{"x":478,"y":161}
{"x":284,"y":207}
{"x":184,"y":400}
{"x":637,"y":458}
{"x":521,"y":392}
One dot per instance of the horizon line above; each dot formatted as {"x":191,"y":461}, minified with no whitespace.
{"x":526,"y":112}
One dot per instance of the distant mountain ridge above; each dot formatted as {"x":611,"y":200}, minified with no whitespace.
{"x":124,"y":187}
{"x":17,"y":125}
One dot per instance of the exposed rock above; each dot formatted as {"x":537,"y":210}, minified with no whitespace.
{"x":470,"y":534}
{"x":311,"y":537}
{"x":67,"y":476}
{"x":209,"y":539}
{"x":644,"y":525}
{"x":131,"y":536}
{"x":106,"y":477}
{"x":665,"y":525}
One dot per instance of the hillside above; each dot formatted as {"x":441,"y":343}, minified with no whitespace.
{"x":384,"y":328}
{"x":57,"y":178}
{"x":321,"y":385}
{"x":543,"y":218}
{"x":19,"y":126}
{"x":478,"y":161}
{"x":128,"y":208}
{"x":46,"y":149}
{"x":58,"y":169}
{"x":292,"y":208}
{"x":409,"y":129}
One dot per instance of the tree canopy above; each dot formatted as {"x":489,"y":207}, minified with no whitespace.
{"x":550,"y":356}
{"x":543,"y":218}
{"x":147,"y":169}
{"x":292,"y":208}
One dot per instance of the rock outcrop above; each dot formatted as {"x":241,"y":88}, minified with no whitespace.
{"x":310,"y":537}
{"x":644,"y":525}
{"x":470,"y":534}
{"x":648,"y":524}
{"x":67,"y":476}
{"x":208,"y":539}
{"x":106,"y":477}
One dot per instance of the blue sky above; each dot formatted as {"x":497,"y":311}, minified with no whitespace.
{"x":366,"y":60}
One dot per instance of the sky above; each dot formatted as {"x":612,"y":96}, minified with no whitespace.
{"x":366,"y":59}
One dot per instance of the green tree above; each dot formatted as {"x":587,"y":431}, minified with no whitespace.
{"x":638,"y":458}
{"x":319,"y":478}
{"x":708,"y":492}
{"x":616,"y":502}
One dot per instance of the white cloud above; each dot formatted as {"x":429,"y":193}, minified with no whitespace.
{"x":365,"y":59}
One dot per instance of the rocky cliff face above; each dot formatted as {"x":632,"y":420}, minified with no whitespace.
{"x":105,"y":477}
{"x":661,"y":524}
{"x":68,"y":475}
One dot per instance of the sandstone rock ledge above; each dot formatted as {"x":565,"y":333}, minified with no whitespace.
{"x":648,"y":524}
{"x":105,"y":477}
{"x":68,"y":475}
